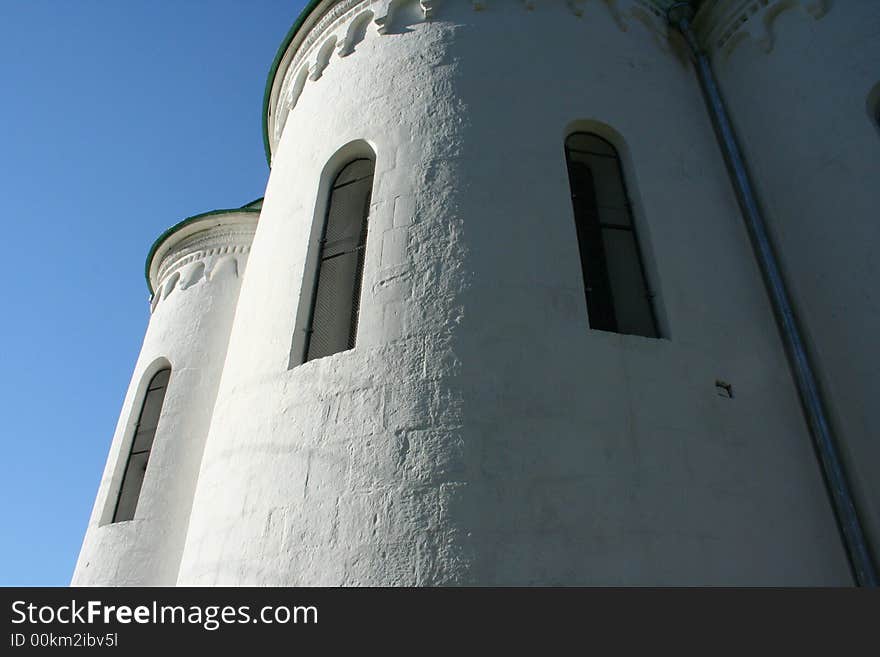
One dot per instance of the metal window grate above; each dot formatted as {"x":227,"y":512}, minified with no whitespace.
{"x":618,"y":297}
{"x":141,"y":445}
{"x":336,"y":301}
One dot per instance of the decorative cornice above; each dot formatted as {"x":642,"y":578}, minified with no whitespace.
{"x":334,"y":27}
{"x":724,"y":24}
{"x":200,"y":250}
{"x":187,"y":227}
{"x":327,"y":28}
{"x":201,"y":266}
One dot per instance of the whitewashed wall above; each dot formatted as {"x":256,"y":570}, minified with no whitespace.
{"x":196,"y":275}
{"x":480,"y":432}
{"x":803,"y":83}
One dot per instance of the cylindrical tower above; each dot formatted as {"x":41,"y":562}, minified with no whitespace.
{"x":802,"y":80}
{"x":505,"y":402}
{"x":138,"y":527}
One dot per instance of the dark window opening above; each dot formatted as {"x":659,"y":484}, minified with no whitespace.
{"x":336,"y":299}
{"x":141,"y":444}
{"x":618,"y":296}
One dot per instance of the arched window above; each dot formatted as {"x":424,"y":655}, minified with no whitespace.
{"x":618,"y":297}
{"x":141,"y":445}
{"x":874,"y":106}
{"x":334,"y":316}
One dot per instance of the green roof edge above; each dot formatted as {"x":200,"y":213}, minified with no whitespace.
{"x":273,"y":71}
{"x":186,"y":222}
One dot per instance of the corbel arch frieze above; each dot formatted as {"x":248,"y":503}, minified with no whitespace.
{"x":726,"y":24}
{"x":346,"y":24}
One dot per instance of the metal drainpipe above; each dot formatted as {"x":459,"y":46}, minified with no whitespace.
{"x":679,"y":16}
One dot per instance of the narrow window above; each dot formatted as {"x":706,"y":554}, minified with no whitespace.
{"x":141,"y":445}
{"x":618,"y":298}
{"x":336,"y":301}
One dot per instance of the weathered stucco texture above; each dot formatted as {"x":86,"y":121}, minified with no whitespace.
{"x":479,"y":432}
{"x":196,"y":289}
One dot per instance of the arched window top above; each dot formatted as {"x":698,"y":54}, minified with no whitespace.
{"x":590,"y":143}
{"x":354,"y":171}
{"x":618,"y":297}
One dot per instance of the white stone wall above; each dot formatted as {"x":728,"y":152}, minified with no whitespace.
{"x":196,"y":276}
{"x":480,"y":432}
{"x":798,"y":78}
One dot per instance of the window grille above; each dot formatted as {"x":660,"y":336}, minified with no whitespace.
{"x":336,"y":301}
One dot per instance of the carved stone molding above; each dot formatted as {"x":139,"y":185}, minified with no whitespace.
{"x":724,"y":24}
{"x":345,"y":23}
{"x":205,"y":255}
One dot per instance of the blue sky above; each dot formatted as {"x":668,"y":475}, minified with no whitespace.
{"x":117,"y":120}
